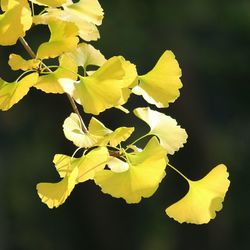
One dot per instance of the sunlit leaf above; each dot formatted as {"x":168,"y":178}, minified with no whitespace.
{"x":55,"y":194}
{"x":88,"y":165}
{"x":85,"y":54}
{"x":172,"y":136}
{"x":63,"y":39}
{"x":203,"y":199}
{"x":117,"y":166}
{"x":62,"y":79}
{"x":119,"y":135}
{"x":145,"y":172}
{"x":97,"y":134}
{"x":161,"y":85}
{"x":101,"y":90}
{"x":15,"y":21}
{"x":85,"y":14}
{"x":73,"y":131}
{"x":16,"y":62}
{"x":12,"y":93}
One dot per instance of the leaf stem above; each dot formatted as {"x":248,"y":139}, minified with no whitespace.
{"x":140,"y":138}
{"x":71,"y":100}
{"x":177,"y":171}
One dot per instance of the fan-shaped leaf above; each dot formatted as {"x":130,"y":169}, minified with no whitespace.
{"x":161,"y":85}
{"x":203,"y":199}
{"x":172,"y":136}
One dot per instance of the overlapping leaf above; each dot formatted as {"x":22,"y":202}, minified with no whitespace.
{"x":88,"y":165}
{"x":85,"y":54}
{"x":145,"y":172}
{"x":85,"y":14}
{"x":15,"y":21}
{"x":161,"y":85}
{"x":203,"y":199}
{"x":11,"y":93}
{"x":97,"y":134}
{"x":63,"y":39}
{"x":171,"y":136}
{"x":16,"y":62}
{"x":103,"y":89}
{"x":73,"y":171}
{"x":62,"y":79}
{"x":55,"y":194}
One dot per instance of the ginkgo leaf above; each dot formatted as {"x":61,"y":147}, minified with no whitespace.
{"x":88,"y":165}
{"x":55,"y":194}
{"x":50,"y":3}
{"x":130,"y":79}
{"x":72,"y":129}
{"x":145,"y":172}
{"x":63,"y":39}
{"x":97,"y":128}
{"x":101,"y":90}
{"x":12,"y":93}
{"x":4,"y":4}
{"x":85,"y":14}
{"x":117,"y":166}
{"x":161,"y":85}
{"x":15,"y":21}
{"x":62,"y":79}
{"x":114,"y":138}
{"x":171,"y":136}
{"x":85,"y":54}
{"x":97,"y":134}
{"x":16,"y":62}
{"x":203,"y":199}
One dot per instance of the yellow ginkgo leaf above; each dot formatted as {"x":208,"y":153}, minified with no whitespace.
{"x":130,"y":78}
{"x":101,"y":90}
{"x":203,"y":199}
{"x":16,"y":62}
{"x":15,"y":21}
{"x":62,"y":79}
{"x":97,"y":134}
{"x":85,"y":14}
{"x":85,"y":54}
{"x":117,"y":166}
{"x":50,"y":3}
{"x":161,"y":85}
{"x":63,"y":39}
{"x":55,"y":194}
{"x":116,"y":137}
{"x":12,"y":93}
{"x":141,"y":179}
{"x":171,"y":136}
{"x":4,"y":4}
{"x":88,"y":165}
{"x":72,"y":129}
{"x":106,"y":136}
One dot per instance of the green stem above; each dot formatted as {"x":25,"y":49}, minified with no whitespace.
{"x":71,"y":100}
{"x":140,"y":138}
{"x":177,"y":171}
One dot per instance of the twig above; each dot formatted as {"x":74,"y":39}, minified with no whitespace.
{"x":71,"y":100}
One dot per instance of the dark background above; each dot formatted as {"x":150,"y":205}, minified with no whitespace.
{"x":211,"y":40}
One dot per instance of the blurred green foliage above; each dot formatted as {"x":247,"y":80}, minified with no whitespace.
{"x":211,"y":41}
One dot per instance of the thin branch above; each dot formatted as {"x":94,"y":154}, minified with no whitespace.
{"x":71,"y":100}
